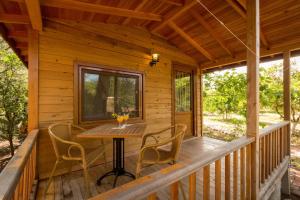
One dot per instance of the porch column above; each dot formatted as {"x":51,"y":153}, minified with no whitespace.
{"x":33,"y":79}
{"x":287,"y":88}
{"x":285,"y":189}
{"x":253,"y":38}
{"x":199,"y":106}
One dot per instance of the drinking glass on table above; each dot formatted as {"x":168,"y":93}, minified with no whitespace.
{"x":125,"y":117}
{"x":120,"y":119}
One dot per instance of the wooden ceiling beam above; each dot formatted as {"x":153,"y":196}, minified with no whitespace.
{"x":190,"y":40}
{"x":22,"y":45}
{"x":174,"y":3}
{"x":14,"y":19}
{"x":212,"y":32}
{"x":34,"y":12}
{"x":138,"y":8}
{"x":241,"y":56}
{"x":101,"y":9}
{"x":18,"y":34}
{"x":241,"y":10}
{"x":174,"y":16}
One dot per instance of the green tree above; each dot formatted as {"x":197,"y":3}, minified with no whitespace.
{"x":271,"y":92}
{"x":225,"y":93}
{"x":13,"y":95}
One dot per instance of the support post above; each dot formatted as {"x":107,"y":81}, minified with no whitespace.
{"x":285,"y":182}
{"x":199,"y":103}
{"x":253,"y":27}
{"x":33,"y":79}
{"x":287,"y":89}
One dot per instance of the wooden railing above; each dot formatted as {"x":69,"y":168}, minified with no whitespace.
{"x":17,"y":177}
{"x":274,"y":148}
{"x":238,"y":150}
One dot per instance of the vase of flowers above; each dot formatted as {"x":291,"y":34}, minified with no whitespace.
{"x":120,"y":119}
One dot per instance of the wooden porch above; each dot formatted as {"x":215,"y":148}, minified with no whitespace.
{"x":60,"y":184}
{"x":61,"y":41}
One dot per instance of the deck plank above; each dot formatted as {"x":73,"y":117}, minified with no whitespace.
{"x":191,"y":148}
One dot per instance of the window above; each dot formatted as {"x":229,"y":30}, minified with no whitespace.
{"x":103,"y":92}
{"x":183,"y":83}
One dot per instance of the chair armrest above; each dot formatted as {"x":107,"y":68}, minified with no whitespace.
{"x":159,"y":144}
{"x":78,"y":127}
{"x":154,"y":135}
{"x":81,"y":149}
{"x":72,"y":145}
{"x":155,"y":146}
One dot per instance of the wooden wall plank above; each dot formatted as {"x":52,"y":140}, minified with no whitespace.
{"x":60,"y":49}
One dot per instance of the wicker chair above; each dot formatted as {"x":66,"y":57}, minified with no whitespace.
{"x":153,"y":153}
{"x":68,"y":150}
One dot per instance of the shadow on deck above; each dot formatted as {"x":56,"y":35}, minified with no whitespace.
{"x":66,"y":187}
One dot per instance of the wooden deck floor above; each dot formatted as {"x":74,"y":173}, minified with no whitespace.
{"x":65,"y":187}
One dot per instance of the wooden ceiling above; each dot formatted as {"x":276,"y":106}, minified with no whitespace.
{"x":184,"y":23}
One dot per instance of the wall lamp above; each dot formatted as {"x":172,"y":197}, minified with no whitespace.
{"x":155,"y":59}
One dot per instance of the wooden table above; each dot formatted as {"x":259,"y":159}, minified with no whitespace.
{"x":118,"y":135}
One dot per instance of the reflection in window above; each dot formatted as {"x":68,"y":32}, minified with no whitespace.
{"x":183,"y":92}
{"x":105,"y":92}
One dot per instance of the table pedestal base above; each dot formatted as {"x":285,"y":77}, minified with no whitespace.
{"x":118,"y":163}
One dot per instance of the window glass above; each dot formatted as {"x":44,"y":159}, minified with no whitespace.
{"x":104,"y":93}
{"x":183,"y":92}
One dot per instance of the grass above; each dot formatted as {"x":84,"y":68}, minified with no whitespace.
{"x":235,"y":126}
{"x":295,"y":161}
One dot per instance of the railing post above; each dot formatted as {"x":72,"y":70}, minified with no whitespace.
{"x":287,"y":114}
{"x":253,"y":27}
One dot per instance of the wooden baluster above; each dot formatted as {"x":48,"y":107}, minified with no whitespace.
{"x":248,"y":170}
{"x":152,"y":196}
{"x":25,"y":186}
{"x":267,"y":155}
{"x":274,"y":151}
{"x":192,"y":189}
{"x":206,"y":182}
{"x":242,"y":175}
{"x":271,"y":154}
{"x":21,"y":186}
{"x":235,"y":175}
{"x":278,"y":146}
{"x":174,"y":191}
{"x":262,"y":160}
{"x":227,"y":177}
{"x":282,"y":143}
{"x":218,"y":185}
{"x":17,"y":190}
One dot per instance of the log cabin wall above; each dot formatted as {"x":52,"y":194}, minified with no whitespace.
{"x":60,"y":46}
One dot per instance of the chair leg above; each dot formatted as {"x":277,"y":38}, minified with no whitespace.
{"x":67,"y":189}
{"x":138,"y":170}
{"x":86,"y":181}
{"x":50,"y":178}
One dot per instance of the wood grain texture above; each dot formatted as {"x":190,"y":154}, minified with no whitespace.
{"x":113,"y":131}
{"x":253,"y":55}
{"x":61,"y":46}
{"x":33,"y":80}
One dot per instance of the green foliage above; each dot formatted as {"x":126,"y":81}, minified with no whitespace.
{"x":13,"y":95}
{"x":225,"y":93}
{"x":271,"y":92}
